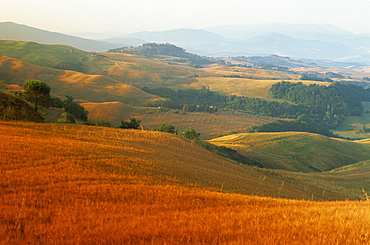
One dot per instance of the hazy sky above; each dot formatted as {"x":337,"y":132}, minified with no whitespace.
{"x":120,"y":17}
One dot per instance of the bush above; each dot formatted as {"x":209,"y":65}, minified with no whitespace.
{"x":132,"y":124}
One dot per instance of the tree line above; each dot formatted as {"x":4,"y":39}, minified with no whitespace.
{"x":324,"y":105}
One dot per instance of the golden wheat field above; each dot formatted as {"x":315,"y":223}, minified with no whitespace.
{"x":73,"y":184}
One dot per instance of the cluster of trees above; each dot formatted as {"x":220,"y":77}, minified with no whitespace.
{"x":325,"y":104}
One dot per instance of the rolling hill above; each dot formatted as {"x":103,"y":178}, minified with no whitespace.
{"x":296,"y":151}
{"x":102,"y":185}
{"x":85,"y":87}
{"x":141,"y":71}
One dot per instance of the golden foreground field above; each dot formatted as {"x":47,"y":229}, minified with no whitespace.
{"x":71,"y":184}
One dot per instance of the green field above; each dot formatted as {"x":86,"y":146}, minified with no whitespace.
{"x":351,"y":127}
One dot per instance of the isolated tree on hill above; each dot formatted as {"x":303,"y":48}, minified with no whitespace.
{"x":36,"y":91}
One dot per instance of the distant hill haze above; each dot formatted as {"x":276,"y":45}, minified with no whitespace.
{"x":310,"y":41}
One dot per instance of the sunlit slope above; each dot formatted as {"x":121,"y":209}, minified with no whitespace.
{"x":94,"y":88}
{"x":296,"y":151}
{"x":113,"y":112}
{"x":148,"y":156}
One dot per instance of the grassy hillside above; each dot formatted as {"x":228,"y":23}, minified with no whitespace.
{"x":70,"y":184}
{"x":295,"y":151}
{"x":16,"y":109}
{"x":95,"y":88}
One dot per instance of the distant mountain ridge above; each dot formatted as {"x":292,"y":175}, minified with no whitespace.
{"x":308,"y":41}
{"x":16,"y":32}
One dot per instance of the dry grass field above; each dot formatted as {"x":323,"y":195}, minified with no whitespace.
{"x":71,"y":184}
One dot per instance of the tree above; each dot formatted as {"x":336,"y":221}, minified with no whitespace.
{"x":36,"y":90}
{"x":167,"y":128}
{"x":132,"y":124}
{"x":190,"y":134}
